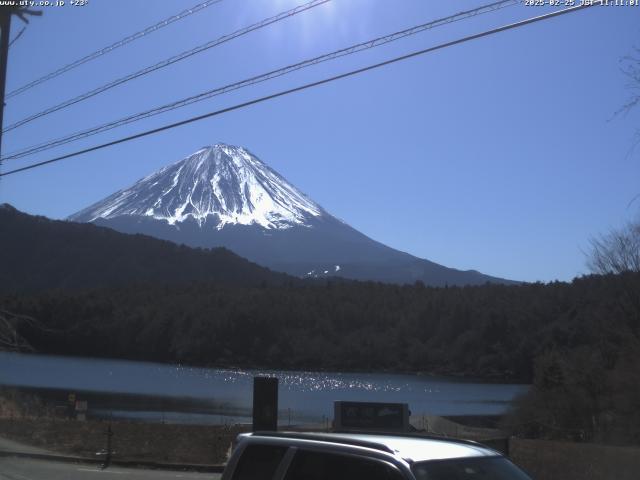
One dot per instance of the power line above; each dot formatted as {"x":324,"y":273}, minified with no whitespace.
{"x":17,"y":36}
{"x":169,"y":61}
{"x":259,"y":78}
{"x":307,"y":86}
{"x":153,"y":28}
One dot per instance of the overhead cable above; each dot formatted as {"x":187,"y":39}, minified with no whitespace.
{"x":98,"y":53}
{"x":306,"y":86}
{"x":169,"y":61}
{"x":27,"y":151}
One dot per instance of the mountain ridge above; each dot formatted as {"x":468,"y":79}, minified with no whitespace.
{"x":44,"y":254}
{"x":224,"y":195}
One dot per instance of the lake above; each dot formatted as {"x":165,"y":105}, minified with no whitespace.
{"x":225,"y":395}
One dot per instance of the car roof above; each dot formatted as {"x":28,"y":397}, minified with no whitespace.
{"x":411,"y":448}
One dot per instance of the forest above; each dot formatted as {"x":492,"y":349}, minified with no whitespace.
{"x":490,"y":331}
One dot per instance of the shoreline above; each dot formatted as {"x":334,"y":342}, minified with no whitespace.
{"x":101,"y":402}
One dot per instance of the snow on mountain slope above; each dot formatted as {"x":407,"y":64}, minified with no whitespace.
{"x":223,"y":184}
{"x":223,"y":196}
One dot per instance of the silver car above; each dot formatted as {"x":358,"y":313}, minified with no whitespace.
{"x":342,"y":456}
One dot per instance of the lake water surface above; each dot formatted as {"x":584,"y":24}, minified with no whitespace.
{"x":303,"y":396}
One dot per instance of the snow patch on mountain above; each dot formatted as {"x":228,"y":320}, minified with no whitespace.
{"x":223,"y":184}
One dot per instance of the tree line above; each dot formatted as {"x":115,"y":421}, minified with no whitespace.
{"x":490,"y":331}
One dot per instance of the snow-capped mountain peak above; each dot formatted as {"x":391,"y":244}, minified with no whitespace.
{"x":223,"y":184}
{"x":224,"y":196}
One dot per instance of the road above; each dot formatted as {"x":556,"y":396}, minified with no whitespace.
{"x":11,"y":446}
{"x":12,"y":468}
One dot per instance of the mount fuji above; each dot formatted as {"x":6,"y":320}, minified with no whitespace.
{"x":223,"y":195}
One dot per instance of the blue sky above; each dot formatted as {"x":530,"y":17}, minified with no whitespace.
{"x":502,"y":155}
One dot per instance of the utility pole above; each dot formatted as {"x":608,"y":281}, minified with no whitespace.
{"x":5,"y":25}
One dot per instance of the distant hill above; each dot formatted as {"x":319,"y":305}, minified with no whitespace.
{"x":39,"y":253}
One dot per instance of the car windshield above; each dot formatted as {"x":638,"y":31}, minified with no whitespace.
{"x":484,"y":468}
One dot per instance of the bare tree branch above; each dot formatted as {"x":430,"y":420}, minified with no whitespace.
{"x":616,"y":252}
{"x":630,"y":68}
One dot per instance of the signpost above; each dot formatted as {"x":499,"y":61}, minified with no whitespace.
{"x":81,"y":410}
{"x":265,"y":403}
{"x":371,"y":416}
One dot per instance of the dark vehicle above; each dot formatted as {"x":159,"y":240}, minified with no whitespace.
{"x":341,"y":456}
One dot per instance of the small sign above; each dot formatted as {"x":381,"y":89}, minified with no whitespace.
{"x":72,"y":398}
{"x":81,"y":406}
{"x":371,"y":416}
